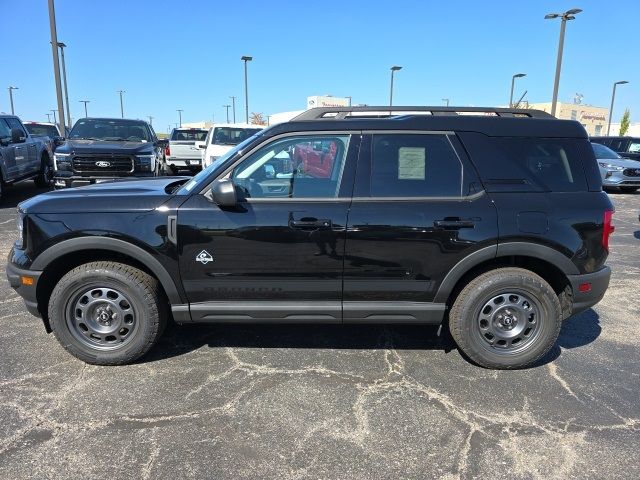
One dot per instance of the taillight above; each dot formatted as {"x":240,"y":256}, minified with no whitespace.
{"x":167,"y":150}
{"x":607,"y":228}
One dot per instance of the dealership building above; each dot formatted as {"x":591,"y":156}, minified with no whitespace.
{"x":593,"y":119}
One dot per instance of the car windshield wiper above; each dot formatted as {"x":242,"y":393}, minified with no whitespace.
{"x":115,"y":139}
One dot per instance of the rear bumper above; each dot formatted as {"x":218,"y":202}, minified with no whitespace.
{"x":27,"y":292}
{"x":599,"y":282}
{"x":184,"y":162}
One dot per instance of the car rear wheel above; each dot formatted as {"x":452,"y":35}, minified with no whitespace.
{"x":506,"y":318}
{"x":107,"y":313}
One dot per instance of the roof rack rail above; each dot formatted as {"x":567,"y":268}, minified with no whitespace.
{"x":341,"y":113}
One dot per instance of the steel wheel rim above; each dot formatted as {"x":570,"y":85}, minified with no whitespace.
{"x":509,"y":322}
{"x":102,"y":318}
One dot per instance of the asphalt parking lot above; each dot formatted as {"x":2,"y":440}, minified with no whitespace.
{"x":297,"y":402}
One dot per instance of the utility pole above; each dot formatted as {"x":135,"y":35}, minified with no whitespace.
{"x":227,"y":107}
{"x":48,"y":118}
{"x":64,"y":78}
{"x":150,"y":120}
{"x":568,"y":15}
{"x":233,"y":105}
{"x":245,"y":59}
{"x":180,"y":115}
{"x":85,"y":107}
{"x":393,"y":70}
{"x":56,"y":62}
{"x":446,"y":101}
{"x":11,"y":89}
{"x":121,"y":104}
{"x":613,"y":97}
{"x":54,"y":117}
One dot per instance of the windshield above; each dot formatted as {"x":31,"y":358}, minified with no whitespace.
{"x":232,"y":135}
{"x":220,"y":164}
{"x":40,"y":130}
{"x":603,"y":153}
{"x":189,"y":135}
{"x":111,"y":130}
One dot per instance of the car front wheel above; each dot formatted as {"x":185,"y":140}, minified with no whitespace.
{"x":107,"y":313}
{"x":506,"y":318}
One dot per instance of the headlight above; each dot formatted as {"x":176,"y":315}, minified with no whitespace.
{"x":608,"y":166}
{"x":20,"y":226}
{"x":147,"y":162}
{"x":58,"y":158}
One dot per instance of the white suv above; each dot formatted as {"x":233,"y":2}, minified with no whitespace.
{"x":223,"y":137}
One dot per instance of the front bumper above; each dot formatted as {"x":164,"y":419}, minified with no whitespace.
{"x":65,"y":181}
{"x":15,"y":275}
{"x":619,"y":179}
{"x":599,"y":282}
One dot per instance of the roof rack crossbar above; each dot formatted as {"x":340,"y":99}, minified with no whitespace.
{"x":341,"y":113}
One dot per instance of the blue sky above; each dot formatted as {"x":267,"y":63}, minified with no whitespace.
{"x":169,"y":54}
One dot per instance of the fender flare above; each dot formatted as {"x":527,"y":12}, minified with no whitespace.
{"x":525,"y":249}
{"x":118,"y":246}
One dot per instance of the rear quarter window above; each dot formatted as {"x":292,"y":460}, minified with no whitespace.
{"x":532,"y":164}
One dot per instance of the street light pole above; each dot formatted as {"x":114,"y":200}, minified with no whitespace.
{"x":245,"y":59}
{"x":48,"y":118}
{"x":180,"y":115}
{"x":150,"y":120}
{"x":446,"y":101}
{"x":11,"y":89}
{"x":513,"y":81}
{"x":85,"y":107}
{"x":64,"y":79}
{"x":56,"y":62}
{"x":568,"y":15}
{"x":394,"y":69}
{"x":121,"y":104}
{"x":227,"y":107}
{"x":54,"y":117}
{"x":613,"y":97}
{"x":233,"y":107}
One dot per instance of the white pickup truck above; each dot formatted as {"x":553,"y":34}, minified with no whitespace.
{"x":223,"y":137}
{"x":182,"y":152}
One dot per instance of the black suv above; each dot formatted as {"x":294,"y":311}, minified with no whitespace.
{"x":492,"y":223}
{"x":627,"y":147}
{"x":100,"y":149}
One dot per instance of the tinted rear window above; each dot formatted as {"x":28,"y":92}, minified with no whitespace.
{"x":189,"y":135}
{"x":531,"y":164}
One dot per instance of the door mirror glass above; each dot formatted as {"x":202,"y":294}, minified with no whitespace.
{"x":223,"y":193}
{"x":17,"y":136}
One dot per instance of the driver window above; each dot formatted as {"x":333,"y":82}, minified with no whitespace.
{"x":294,"y":167}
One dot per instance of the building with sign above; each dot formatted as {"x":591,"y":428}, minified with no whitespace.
{"x":593,"y":119}
{"x":328,"y":101}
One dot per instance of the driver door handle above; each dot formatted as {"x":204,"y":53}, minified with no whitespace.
{"x":310,"y":222}
{"x":454,"y":223}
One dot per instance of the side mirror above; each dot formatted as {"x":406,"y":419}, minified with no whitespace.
{"x":57,"y":141}
{"x":201,"y":145}
{"x":17,"y":136}
{"x":223,"y":192}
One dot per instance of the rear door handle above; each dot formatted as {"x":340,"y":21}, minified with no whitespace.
{"x":310,"y":222}
{"x":454,"y":223}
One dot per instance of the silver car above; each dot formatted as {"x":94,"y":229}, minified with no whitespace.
{"x":617,"y":172}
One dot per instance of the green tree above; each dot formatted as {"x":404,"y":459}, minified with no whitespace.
{"x":624,"y":123}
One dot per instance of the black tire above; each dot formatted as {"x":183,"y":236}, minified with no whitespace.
{"x":121,"y":302}
{"x":628,"y":189}
{"x":45,"y":177}
{"x":506,"y":305}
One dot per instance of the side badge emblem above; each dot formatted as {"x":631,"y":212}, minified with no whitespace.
{"x":204,"y":257}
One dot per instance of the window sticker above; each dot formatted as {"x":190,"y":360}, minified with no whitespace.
{"x":411,"y":163}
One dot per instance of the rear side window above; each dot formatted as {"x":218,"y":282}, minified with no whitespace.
{"x":530,"y":164}
{"x":406,"y":165}
{"x":189,"y":135}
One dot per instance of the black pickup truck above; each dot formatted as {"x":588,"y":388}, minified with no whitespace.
{"x":100,"y":149}
{"x":22,"y":156}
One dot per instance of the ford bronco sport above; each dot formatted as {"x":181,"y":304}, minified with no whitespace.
{"x":491,"y":222}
